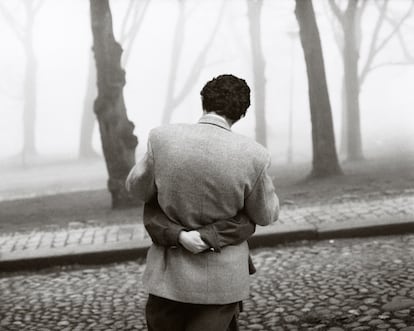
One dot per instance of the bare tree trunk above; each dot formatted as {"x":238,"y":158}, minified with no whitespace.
{"x":325,"y":160}
{"x":118,"y":140}
{"x":254,"y":11}
{"x":24,"y":33}
{"x":88,"y":118}
{"x":135,"y":13}
{"x":351,"y":57}
{"x":29,"y":92}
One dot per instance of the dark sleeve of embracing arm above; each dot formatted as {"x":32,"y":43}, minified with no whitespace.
{"x":232,"y":231}
{"x":262,"y":204}
{"x":164,"y":231}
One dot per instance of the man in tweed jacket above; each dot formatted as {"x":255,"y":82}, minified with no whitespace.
{"x":201,"y":173}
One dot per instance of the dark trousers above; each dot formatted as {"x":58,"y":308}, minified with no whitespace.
{"x":168,"y":315}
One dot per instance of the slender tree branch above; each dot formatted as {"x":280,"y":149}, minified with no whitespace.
{"x":351,"y":5}
{"x":396,"y":28}
{"x":362,"y":7}
{"x":131,"y":8}
{"x":37,"y":5}
{"x":133,"y":32}
{"x":199,"y":62}
{"x":337,"y":11}
{"x":338,"y":36}
{"x":401,"y":39}
{"x":12,"y":22}
{"x":27,"y":6}
{"x":191,"y":10}
{"x":385,"y":41}
{"x":409,"y":56}
{"x":386,"y":64}
{"x":373,"y":46}
{"x":360,"y":10}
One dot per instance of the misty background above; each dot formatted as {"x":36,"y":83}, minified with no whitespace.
{"x":171,"y":49}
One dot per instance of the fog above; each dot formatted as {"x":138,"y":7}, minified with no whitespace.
{"x":62,"y":42}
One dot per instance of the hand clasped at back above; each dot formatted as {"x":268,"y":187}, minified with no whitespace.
{"x":191,"y":240}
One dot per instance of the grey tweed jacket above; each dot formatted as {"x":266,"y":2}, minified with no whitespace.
{"x":203,"y":172}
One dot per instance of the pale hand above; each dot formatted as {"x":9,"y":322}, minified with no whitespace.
{"x":191,"y":240}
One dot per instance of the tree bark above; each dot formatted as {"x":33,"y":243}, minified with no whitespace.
{"x":135,"y":13}
{"x":253,"y":13}
{"x":353,"y":143}
{"x":118,"y":140}
{"x":325,"y":160}
{"x":88,"y":118}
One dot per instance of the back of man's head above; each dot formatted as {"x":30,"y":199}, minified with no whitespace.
{"x":226,"y":95}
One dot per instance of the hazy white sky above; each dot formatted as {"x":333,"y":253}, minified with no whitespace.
{"x":62,"y":40}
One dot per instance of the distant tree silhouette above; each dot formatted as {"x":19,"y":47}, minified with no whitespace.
{"x":24,"y":33}
{"x":174,"y":97}
{"x":355,"y":71}
{"x":408,"y":55}
{"x":325,"y":160}
{"x":254,"y":9}
{"x":118,"y":140}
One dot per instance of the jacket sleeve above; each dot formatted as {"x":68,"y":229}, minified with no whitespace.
{"x":162,"y":230}
{"x":232,"y":231}
{"x":262,"y":203}
{"x":141,"y":181}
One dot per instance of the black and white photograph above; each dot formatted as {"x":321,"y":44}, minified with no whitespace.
{"x":207,"y":165}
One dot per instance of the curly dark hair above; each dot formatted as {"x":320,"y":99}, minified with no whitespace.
{"x":227,"y":96}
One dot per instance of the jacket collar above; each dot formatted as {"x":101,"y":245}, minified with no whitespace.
{"x":215,"y":120}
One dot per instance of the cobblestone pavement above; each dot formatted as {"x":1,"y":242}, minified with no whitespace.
{"x":80,"y":237}
{"x":349,"y":209}
{"x":352,"y":284}
{"x":73,"y":237}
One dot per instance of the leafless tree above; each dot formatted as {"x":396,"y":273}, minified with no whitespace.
{"x":24,"y":33}
{"x":118,"y":140}
{"x":355,"y":71}
{"x":325,"y":160}
{"x":407,"y":54}
{"x":130,"y":27}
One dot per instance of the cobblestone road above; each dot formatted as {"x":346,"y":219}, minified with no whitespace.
{"x":354,"y":284}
